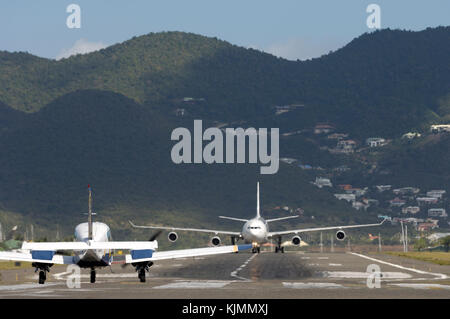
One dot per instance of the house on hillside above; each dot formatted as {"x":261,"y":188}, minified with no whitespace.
{"x":397,"y":202}
{"x":411,"y":135}
{"x":438,"y":193}
{"x":440,"y":128}
{"x":411,"y":210}
{"x":426,"y":200}
{"x":288,"y":160}
{"x":382,"y":188}
{"x":322,"y":181}
{"x":321,"y":128}
{"x":348,"y":197}
{"x":359,"y":205}
{"x":346,"y":145}
{"x":426,"y":226}
{"x":406,"y":190}
{"x":337,"y":136}
{"x":376,"y":141}
{"x":437,"y":212}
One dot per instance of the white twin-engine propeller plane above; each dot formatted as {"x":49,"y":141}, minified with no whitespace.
{"x":93,"y":247}
{"x":256,"y":230}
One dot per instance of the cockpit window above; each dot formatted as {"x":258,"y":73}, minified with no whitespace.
{"x":253,"y":227}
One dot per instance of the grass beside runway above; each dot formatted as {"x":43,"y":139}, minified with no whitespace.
{"x":8,"y":265}
{"x":440,"y":258}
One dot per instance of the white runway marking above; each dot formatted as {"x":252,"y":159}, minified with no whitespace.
{"x":194,"y":285}
{"x":423,"y":286}
{"x":60,"y":276}
{"x":362,"y":275}
{"x":25,"y":286}
{"x":438,"y":275}
{"x":322,"y":257}
{"x":235,"y":272}
{"x":309,"y":285}
{"x":335,"y":265}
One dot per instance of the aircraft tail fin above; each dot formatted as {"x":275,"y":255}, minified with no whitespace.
{"x":258,"y":214}
{"x":90,"y":213}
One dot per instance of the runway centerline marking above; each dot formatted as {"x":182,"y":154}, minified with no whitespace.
{"x":234,"y":273}
{"x":310,"y":285}
{"x":193,"y":284}
{"x":438,"y":275}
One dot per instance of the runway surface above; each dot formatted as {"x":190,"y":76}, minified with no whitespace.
{"x":244,"y":275}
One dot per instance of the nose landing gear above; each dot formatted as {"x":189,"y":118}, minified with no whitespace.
{"x":93,"y":275}
{"x":141,"y":268}
{"x":256,"y":250}
{"x":43,"y":269}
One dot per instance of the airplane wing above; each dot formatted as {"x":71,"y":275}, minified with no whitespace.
{"x":211,"y":231}
{"x":53,"y":246}
{"x":39,"y":258}
{"x":296,"y":231}
{"x":194,"y":252}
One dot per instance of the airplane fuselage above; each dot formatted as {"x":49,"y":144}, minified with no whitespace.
{"x":93,"y":257}
{"x":255,"y":230}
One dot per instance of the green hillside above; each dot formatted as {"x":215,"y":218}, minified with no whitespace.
{"x":381,"y":83}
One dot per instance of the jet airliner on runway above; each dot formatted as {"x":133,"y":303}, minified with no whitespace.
{"x":93,"y":247}
{"x":256,"y":230}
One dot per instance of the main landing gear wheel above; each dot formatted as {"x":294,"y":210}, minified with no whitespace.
{"x":278,"y":247}
{"x":141,"y":275}
{"x":92,"y":276}
{"x":42,"y":277}
{"x":258,"y":249}
{"x":43,"y":269}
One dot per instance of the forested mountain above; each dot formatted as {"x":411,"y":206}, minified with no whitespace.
{"x":380,"y":83}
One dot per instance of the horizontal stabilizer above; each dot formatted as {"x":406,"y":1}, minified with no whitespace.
{"x":281,"y":218}
{"x":234,"y":218}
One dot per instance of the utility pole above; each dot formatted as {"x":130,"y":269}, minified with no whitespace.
{"x":379,"y":242}
{"x":321,"y":243}
{"x":403,"y":236}
{"x":348,"y":244}
{"x":32,"y":232}
{"x":332,"y":243}
{"x":406,"y":239}
{"x":1,"y":233}
{"x":57,"y":232}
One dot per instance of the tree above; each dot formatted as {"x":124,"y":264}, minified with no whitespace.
{"x":421,"y":243}
{"x":446,"y":243}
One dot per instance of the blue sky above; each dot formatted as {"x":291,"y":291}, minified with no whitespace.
{"x":289,"y":28}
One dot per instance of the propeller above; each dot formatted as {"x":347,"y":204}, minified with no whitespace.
{"x":154,"y":236}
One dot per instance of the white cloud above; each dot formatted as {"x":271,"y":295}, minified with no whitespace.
{"x":302,"y":48}
{"x":81,"y":46}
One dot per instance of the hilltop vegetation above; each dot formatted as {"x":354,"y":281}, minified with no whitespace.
{"x":381,"y":83}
